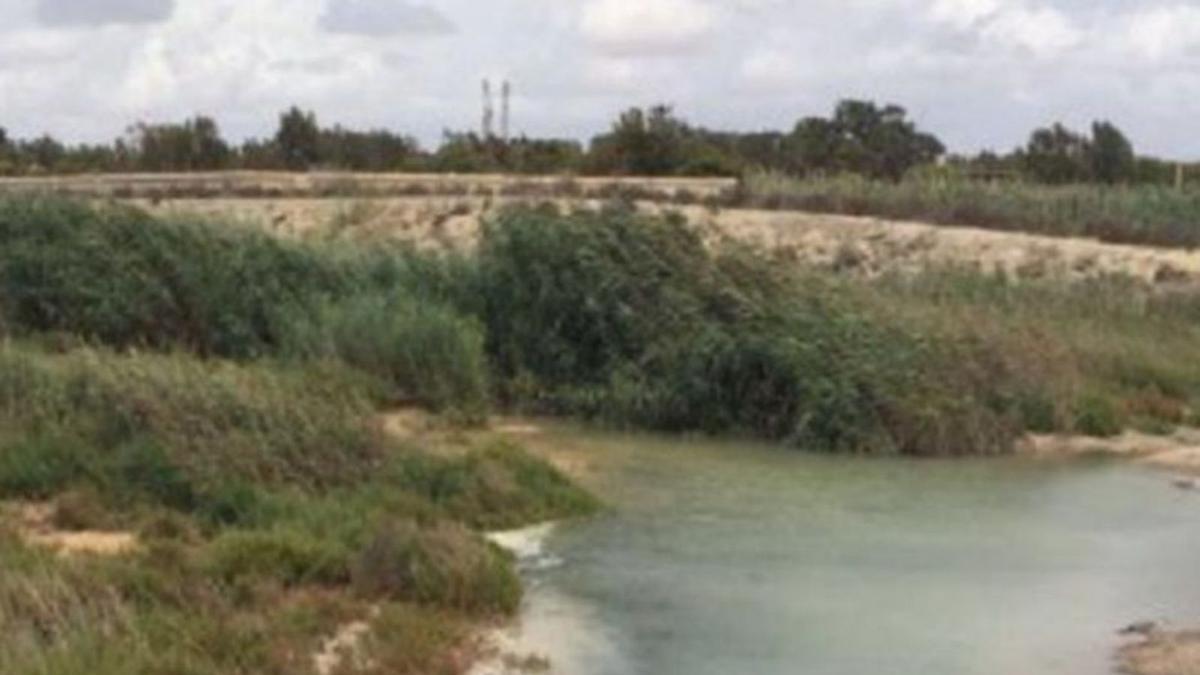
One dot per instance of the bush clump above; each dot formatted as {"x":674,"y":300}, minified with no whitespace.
{"x":637,"y":320}
{"x":442,"y":564}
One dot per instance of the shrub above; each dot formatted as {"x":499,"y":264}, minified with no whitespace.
{"x":293,"y":558}
{"x":40,"y":466}
{"x":1096,"y":415}
{"x":180,"y":418}
{"x":637,"y":321}
{"x":427,"y":353}
{"x":495,"y":488}
{"x":215,"y":290}
{"x":442,"y":564}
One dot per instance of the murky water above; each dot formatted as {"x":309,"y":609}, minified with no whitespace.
{"x":726,"y":558}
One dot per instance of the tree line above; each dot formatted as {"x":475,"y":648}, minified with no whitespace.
{"x":858,"y":137}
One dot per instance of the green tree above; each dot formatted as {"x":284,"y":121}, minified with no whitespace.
{"x":1057,"y":155}
{"x":815,"y":142}
{"x":864,"y":138}
{"x":643,"y":142}
{"x":1111,"y":154}
{"x":194,"y":145}
{"x":298,"y":139}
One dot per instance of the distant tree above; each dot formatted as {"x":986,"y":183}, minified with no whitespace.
{"x":643,"y":142}
{"x":1111,"y":154}
{"x":543,"y":155}
{"x":43,"y":154}
{"x":815,"y":142}
{"x":194,"y":145}
{"x":468,"y":153}
{"x":880,"y":142}
{"x":298,"y":139}
{"x":260,"y":155}
{"x":1057,"y":155}
{"x":375,"y":150}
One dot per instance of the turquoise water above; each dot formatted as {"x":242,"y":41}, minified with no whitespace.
{"x":730,"y":558}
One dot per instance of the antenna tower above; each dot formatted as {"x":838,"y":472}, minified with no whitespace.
{"x":505,"y":110}
{"x":489,"y":111}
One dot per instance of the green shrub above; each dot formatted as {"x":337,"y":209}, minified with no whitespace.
{"x":293,"y":558}
{"x":426,"y":352}
{"x":498,"y":487}
{"x":116,"y":275}
{"x":1096,"y":415}
{"x":636,"y":320}
{"x":39,"y":466}
{"x":442,"y":564}
{"x":209,"y":421}
{"x":142,"y":469}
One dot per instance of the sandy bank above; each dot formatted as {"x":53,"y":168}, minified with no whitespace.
{"x":1162,"y":652}
{"x":1178,"y":452}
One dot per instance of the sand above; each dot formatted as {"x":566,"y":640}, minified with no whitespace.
{"x":868,"y":246}
{"x":1162,"y":652}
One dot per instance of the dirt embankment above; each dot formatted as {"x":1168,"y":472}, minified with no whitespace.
{"x":868,"y":246}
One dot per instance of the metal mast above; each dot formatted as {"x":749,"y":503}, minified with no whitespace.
{"x":505,"y":110}
{"x":489,"y":111}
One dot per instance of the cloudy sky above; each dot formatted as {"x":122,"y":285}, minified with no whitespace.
{"x":980,"y":73}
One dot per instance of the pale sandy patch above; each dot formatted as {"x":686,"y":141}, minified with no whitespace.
{"x":344,"y":647}
{"x":1161,"y":652}
{"x":1178,"y":452}
{"x":35,"y":526}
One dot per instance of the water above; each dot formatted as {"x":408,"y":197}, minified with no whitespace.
{"x":726,"y":558}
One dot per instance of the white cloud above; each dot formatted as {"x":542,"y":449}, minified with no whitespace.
{"x":647,"y":27}
{"x":1043,"y":31}
{"x":1162,"y":33}
{"x":963,"y":14}
{"x":770,"y":67}
{"x":378,"y":18}
{"x":83,"y":13}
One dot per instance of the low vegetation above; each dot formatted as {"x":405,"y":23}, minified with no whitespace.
{"x":636,"y":321}
{"x":1142,"y":214}
{"x":216,"y":392}
{"x":268,"y":505}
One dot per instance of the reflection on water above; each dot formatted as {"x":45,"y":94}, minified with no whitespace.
{"x":721,"y":558}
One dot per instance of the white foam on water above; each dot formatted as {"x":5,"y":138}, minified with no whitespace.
{"x":552,"y":625}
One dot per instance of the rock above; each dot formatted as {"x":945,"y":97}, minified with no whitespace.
{"x":1185,"y":483}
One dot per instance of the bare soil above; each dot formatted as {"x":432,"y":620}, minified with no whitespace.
{"x":1162,"y":652}
{"x":35,"y":524}
{"x":868,"y":246}
{"x":1178,"y":452}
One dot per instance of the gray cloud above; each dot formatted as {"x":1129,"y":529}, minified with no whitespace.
{"x":84,"y":13}
{"x":380,"y":18}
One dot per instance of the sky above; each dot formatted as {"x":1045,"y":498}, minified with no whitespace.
{"x":978,"y":73}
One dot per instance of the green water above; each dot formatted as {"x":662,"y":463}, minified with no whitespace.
{"x":726,"y":558}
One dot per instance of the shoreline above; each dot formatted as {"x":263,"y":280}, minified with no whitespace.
{"x":504,"y":650}
{"x":1176,"y":453}
{"x":1160,"y":651}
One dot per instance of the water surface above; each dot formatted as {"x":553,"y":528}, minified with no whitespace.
{"x":736,"y":558}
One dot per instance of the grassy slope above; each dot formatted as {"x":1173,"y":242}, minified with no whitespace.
{"x":1150,"y":215}
{"x":270,"y":508}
